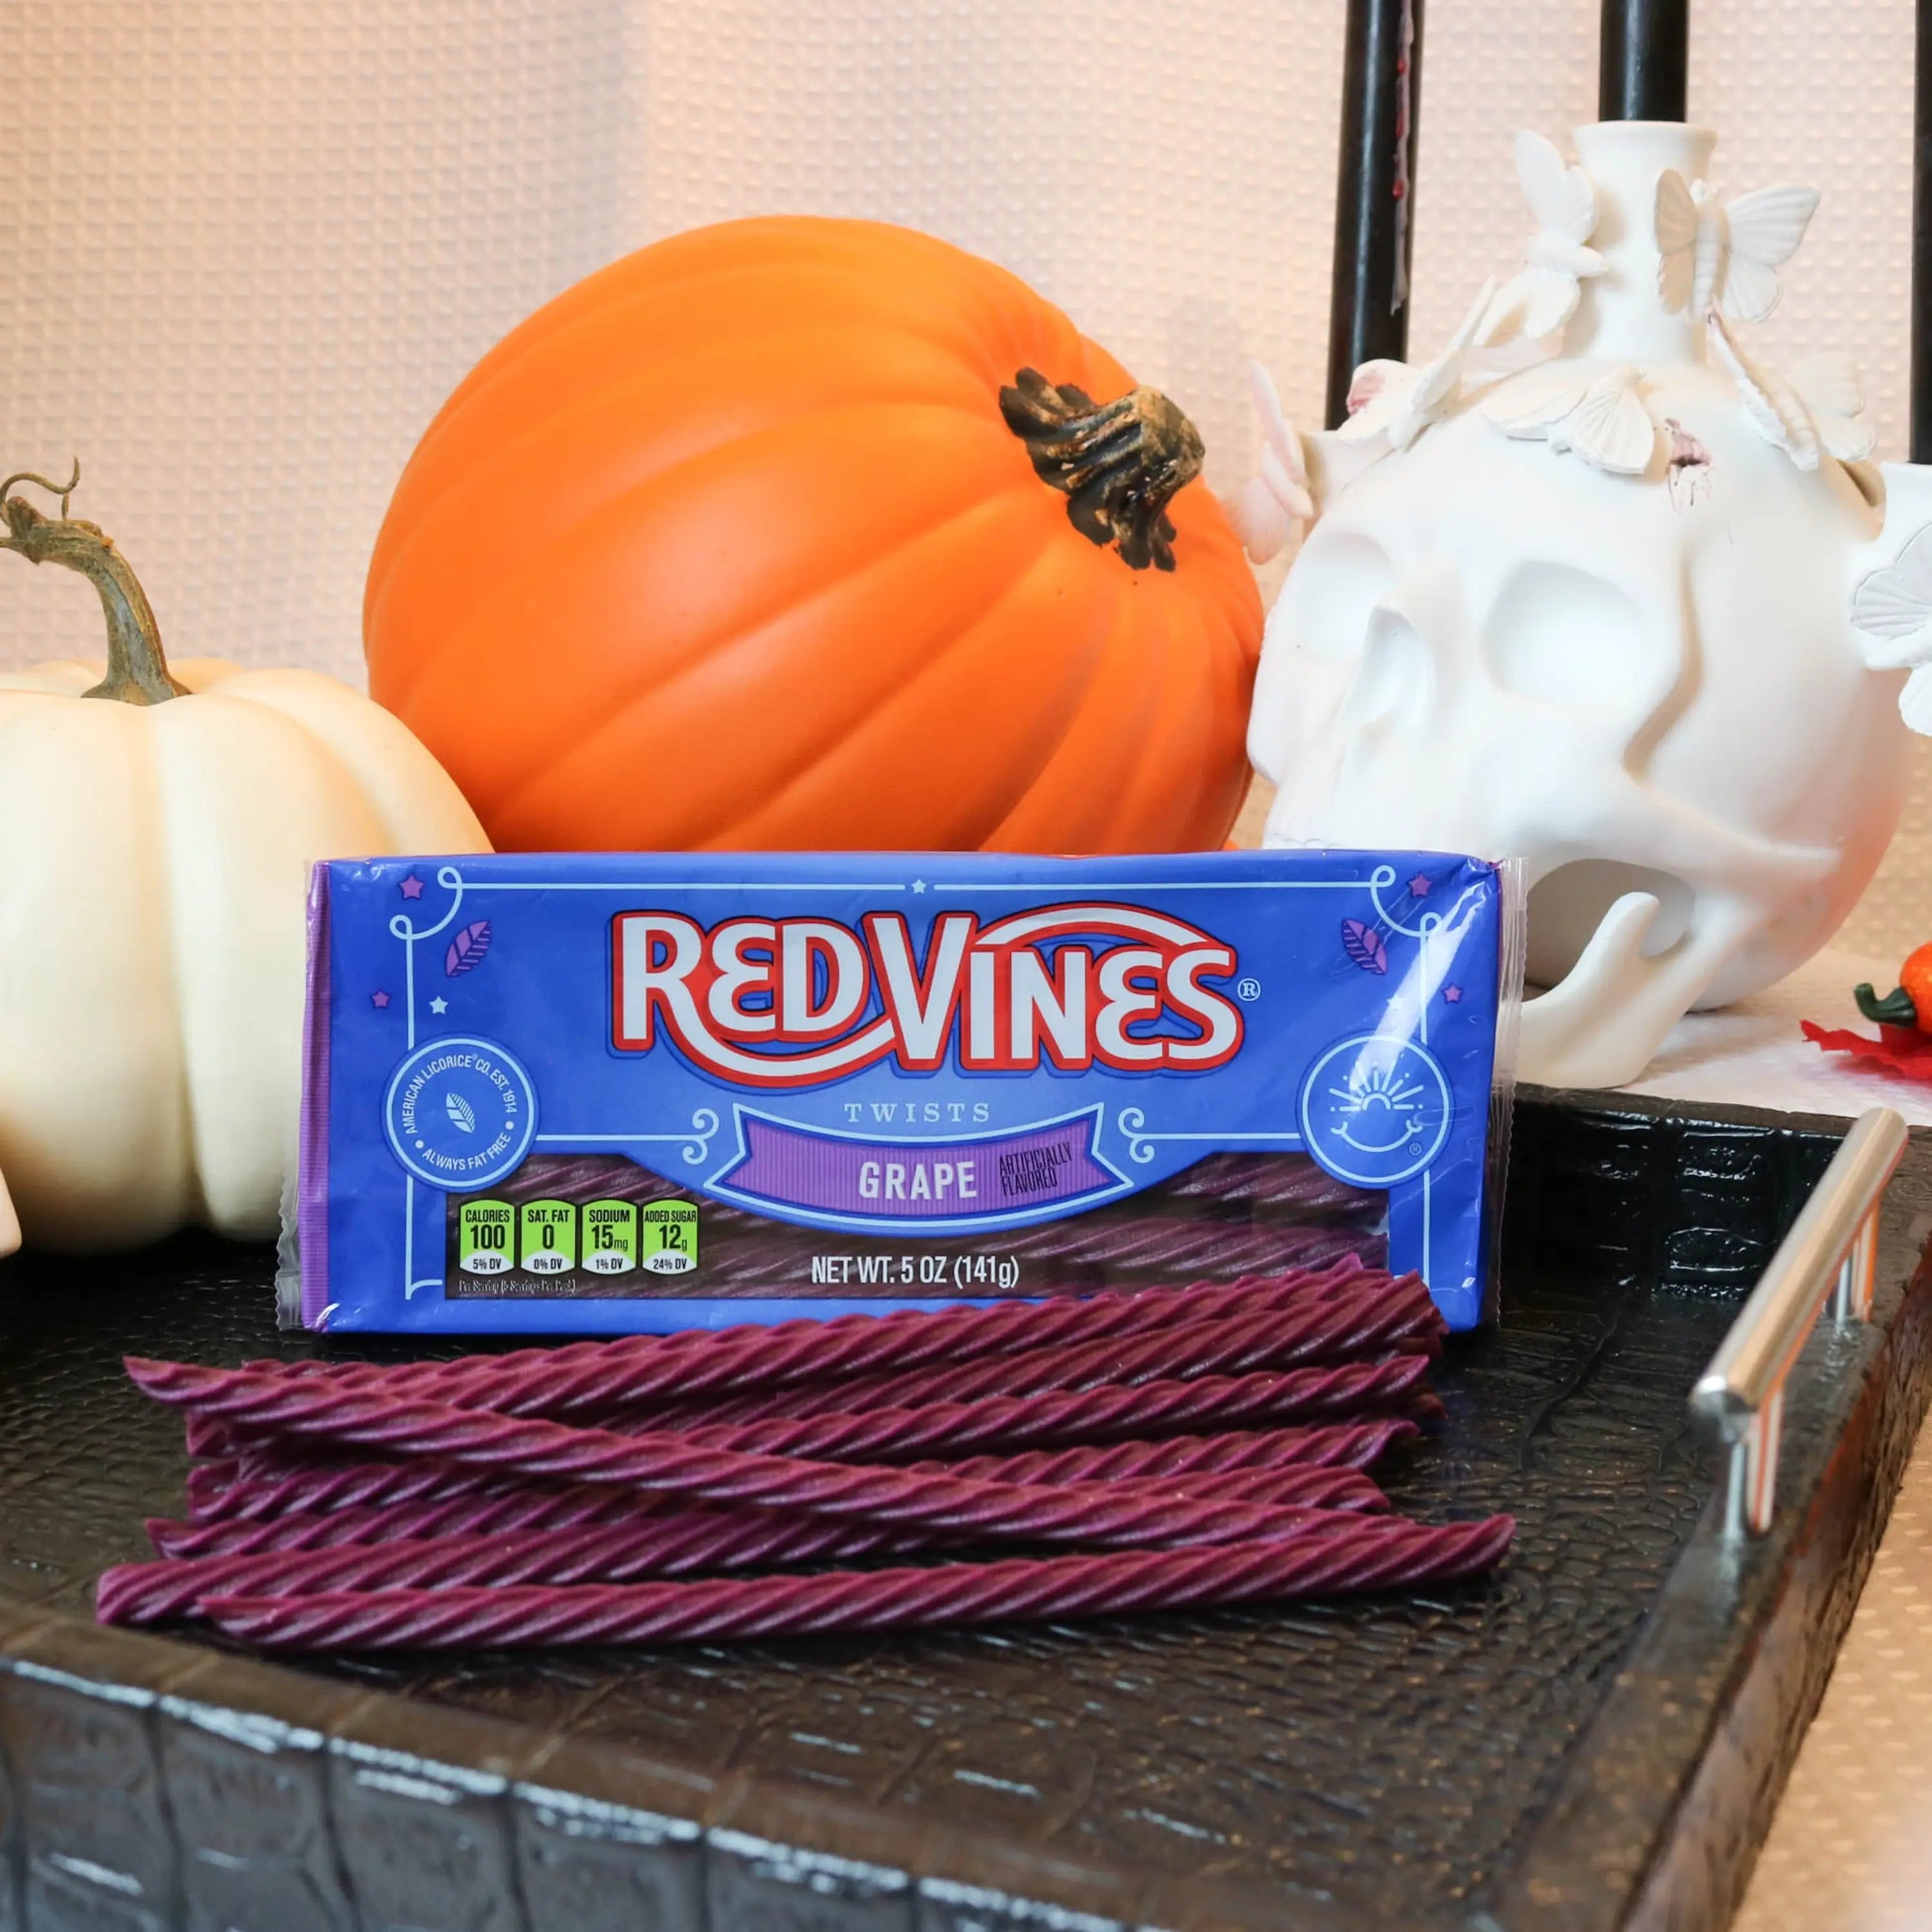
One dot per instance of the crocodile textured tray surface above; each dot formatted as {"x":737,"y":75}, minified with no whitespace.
{"x":1595,"y":1737}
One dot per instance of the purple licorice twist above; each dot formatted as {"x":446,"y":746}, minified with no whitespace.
{"x":532,"y":1509}
{"x":672,"y":1543}
{"x":683,"y":1542}
{"x":672,"y":1465}
{"x":1330,"y":1330}
{"x":1368,"y":1556}
{"x":809,"y":1348}
{"x":1352,"y":1446}
{"x":1355,"y":1390}
{"x":1336,"y":1328}
{"x":268,"y":1484}
{"x":491,"y":1509}
{"x":1264,"y":1324}
{"x":586,"y":1378}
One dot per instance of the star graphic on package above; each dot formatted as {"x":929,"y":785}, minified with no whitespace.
{"x":1419,"y":885}
{"x":379,"y":998}
{"x":919,"y":885}
{"x":1452,"y":994}
{"x":439,"y":1006}
{"x":410,"y":887}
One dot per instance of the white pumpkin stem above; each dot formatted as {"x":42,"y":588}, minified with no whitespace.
{"x":137,"y":669}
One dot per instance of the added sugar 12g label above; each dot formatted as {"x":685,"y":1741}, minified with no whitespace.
{"x":669,"y":1237}
{"x":666,"y":1089}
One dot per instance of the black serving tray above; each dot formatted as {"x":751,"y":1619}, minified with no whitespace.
{"x":1595,"y":1738}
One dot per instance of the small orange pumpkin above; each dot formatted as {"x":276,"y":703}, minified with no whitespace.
{"x":805,"y":534}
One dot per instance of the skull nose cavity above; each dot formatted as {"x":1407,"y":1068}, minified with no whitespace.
{"x":1567,"y":906}
{"x":1397,"y":682}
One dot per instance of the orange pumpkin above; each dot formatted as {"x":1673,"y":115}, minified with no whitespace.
{"x":806,"y":534}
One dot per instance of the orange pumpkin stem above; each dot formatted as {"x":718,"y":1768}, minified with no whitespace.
{"x":1119,"y":463}
{"x":1897,"y":1009}
{"x":137,"y":669}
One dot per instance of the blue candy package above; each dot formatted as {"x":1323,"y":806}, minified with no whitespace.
{"x":597,"y":1093}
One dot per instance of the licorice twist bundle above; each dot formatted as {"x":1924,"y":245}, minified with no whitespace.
{"x":553,"y":1495}
{"x":674,"y":1465}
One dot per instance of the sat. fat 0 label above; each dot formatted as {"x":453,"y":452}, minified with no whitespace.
{"x":547,"y":1231}
{"x":600,"y":1093}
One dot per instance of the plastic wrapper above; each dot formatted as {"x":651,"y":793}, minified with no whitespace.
{"x":599,"y":1094}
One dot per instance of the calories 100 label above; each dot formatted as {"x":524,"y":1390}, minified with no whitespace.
{"x":553,"y":1237}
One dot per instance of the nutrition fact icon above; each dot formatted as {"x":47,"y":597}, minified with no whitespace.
{"x":486,"y":1238}
{"x":547,"y":1232}
{"x":552,"y":1246}
{"x":610,"y":1237}
{"x":670,"y":1243}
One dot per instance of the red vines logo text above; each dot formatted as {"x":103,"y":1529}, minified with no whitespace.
{"x":793,"y":1002}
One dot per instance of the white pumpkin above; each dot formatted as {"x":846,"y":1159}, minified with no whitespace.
{"x":156,"y":834}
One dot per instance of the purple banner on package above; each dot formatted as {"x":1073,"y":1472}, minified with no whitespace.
{"x":808,"y":1173}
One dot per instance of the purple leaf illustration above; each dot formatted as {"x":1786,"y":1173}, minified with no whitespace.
{"x":1363,"y":944}
{"x":467,"y":949}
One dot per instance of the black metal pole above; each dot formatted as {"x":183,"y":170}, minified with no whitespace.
{"x":1643,"y":50}
{"x":1922,"y":241}
{"x":1374,"y":190}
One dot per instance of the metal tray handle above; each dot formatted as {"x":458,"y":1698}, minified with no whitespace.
{"x":1830,"y":1253}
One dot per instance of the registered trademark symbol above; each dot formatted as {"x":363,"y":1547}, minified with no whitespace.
{"x":1250,"y":988}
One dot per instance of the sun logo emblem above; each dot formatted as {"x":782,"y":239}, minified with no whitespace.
{"x":1375,"y":1109}
{"x":1379,"y":1110}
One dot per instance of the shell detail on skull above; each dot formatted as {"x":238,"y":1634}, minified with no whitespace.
{"x":1597,"y":589}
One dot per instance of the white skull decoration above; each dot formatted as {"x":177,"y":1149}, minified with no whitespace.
{"x":1578,"y":595}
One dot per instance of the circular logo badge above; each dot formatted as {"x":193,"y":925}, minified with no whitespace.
{"x":460,"y":1114}
{"x":1375,"y":1109}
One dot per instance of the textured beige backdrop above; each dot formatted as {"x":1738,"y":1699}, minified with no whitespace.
{"x":246,"y":246}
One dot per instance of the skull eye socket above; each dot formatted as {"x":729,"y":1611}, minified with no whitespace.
{"x":1336,"y":584}
{"x":1560,"y":634}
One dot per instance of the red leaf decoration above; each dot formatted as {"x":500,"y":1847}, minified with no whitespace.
{"x":1897,"y":1048}
{"x":467,"y":949}
{"x":1363,"y":944}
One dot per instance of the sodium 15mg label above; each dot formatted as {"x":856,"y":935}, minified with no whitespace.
{"x":610,"y":1237}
